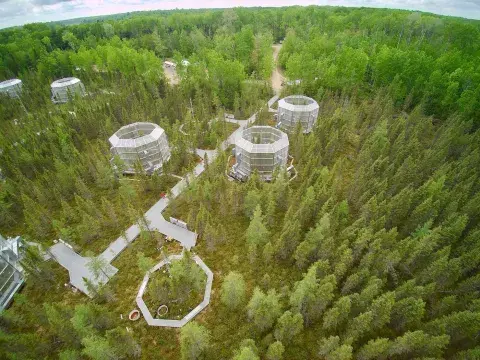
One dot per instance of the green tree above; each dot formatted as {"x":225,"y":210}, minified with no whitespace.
{"x":194,"y":341}
{"x":375,"y":349}
{"x":97,"y":347}
{"x":264,"y":309}
{"x":331,"y":349}
{"x":124,"y":343}
{"x":232,"y":293}
{"x":185,"y":276}
{"x":251,"y":201}
{"x":337,"y":315}
{"x":418,"y":343}
{"x":311,"y":295}
{"x":275,"y":351}
{"x":288,"y":326}
{"x":59,"y":320}
{"x":99,"y":266}
{"x":144,"y":263}
{"x":246,"y":353}
{"x":257,"y":234}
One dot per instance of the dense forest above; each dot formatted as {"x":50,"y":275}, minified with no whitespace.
{"x":371,"y":252}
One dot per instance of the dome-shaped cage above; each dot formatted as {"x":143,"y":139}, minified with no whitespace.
{"x":142,"y":142}
{"x":12,"y":88}
{"x":65,"y":89}
{"x":297,"y":109}
{"x":261,"y":148}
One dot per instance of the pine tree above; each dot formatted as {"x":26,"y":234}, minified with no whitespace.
{"x":263,"y":309}
{"x":251,"y":201}
{"x":288,"y":326}
{"x":201,"y":220}
{"x":37,"y":219}
{"x":311,"y":295}
{"x":246,"y":353}
{"x":359,"y":327}
{"x":98,"y":266}
{"x":59,"y":320}
{"x":97,"y":347}
{"x":194,"y":341}
{"x":268,"y":252}
{"x":144,"y":263}
{"x":185,"y":276}
{"x":418,"y":344}
{"x":375,"y":349}
{"x":70,"y":355}
{"x":257,"y":234}
{"x":210,"y":236}
{"x":337,"y":315}
{"x":232,"y":293}
{"x":407,"y":314}
{"x":275,"y":351}
{"x":330,"y":349}
{"x":123,"y":342}
{"x":381,"y":309}
{"x":289,"y":238}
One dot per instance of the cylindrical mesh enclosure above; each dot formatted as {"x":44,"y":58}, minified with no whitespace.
{"x":12,"y":87}
{"x":64,"y":89}
{"x":11,"y":272}
{"x":142,"y":142}
{"x":261,"y":148}
{"x":297,"y":109}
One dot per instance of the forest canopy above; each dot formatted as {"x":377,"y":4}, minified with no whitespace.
{"x":371,"y":252}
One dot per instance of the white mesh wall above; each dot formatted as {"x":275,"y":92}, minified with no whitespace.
{"x":146,"y":143}
{"x":297,"y":109}
{"x":261,"y":148}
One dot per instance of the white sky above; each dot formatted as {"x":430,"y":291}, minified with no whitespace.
{"x":19,"y":12}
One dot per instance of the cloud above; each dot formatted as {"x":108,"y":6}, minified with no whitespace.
{"x":49,"y":2}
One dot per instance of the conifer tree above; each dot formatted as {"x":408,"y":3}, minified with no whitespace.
{"x":263,"y":309}
{"x":194,"y":341}
{"x":257,"y":234}
{"x":233,"y":290}
{"x":288,"y":326}
{"x":275,"y":351}
{"x":311,"y":295}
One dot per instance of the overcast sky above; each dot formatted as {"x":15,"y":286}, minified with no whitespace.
{"x":19,"y":12}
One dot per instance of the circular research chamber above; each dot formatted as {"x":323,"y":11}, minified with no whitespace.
{"x":64,"y":89}
{"x":12,"y":87}
{"x":297,"y":109}
{"x":261,"y":148}
{"x":141,"y":142}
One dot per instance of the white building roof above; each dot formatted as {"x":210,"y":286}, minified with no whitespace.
{"x":280,"y":143}
{"x":9,"y":83}
{"x":60,"y":83}
{"x":125,"y":136}
{"x":298,"y":103}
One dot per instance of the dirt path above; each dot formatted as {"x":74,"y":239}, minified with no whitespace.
{"x":277,"y":77}
{"x":171,"y":74}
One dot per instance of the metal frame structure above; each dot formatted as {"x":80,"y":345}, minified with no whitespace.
{"x":168,"y":322}
{"x":142,"y":142}
{"x":297,"y":109}
{"x":11,"y":273}
{"x":260,"y":148}
{"x":12,"y":87}
{"x":64,"y":89}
